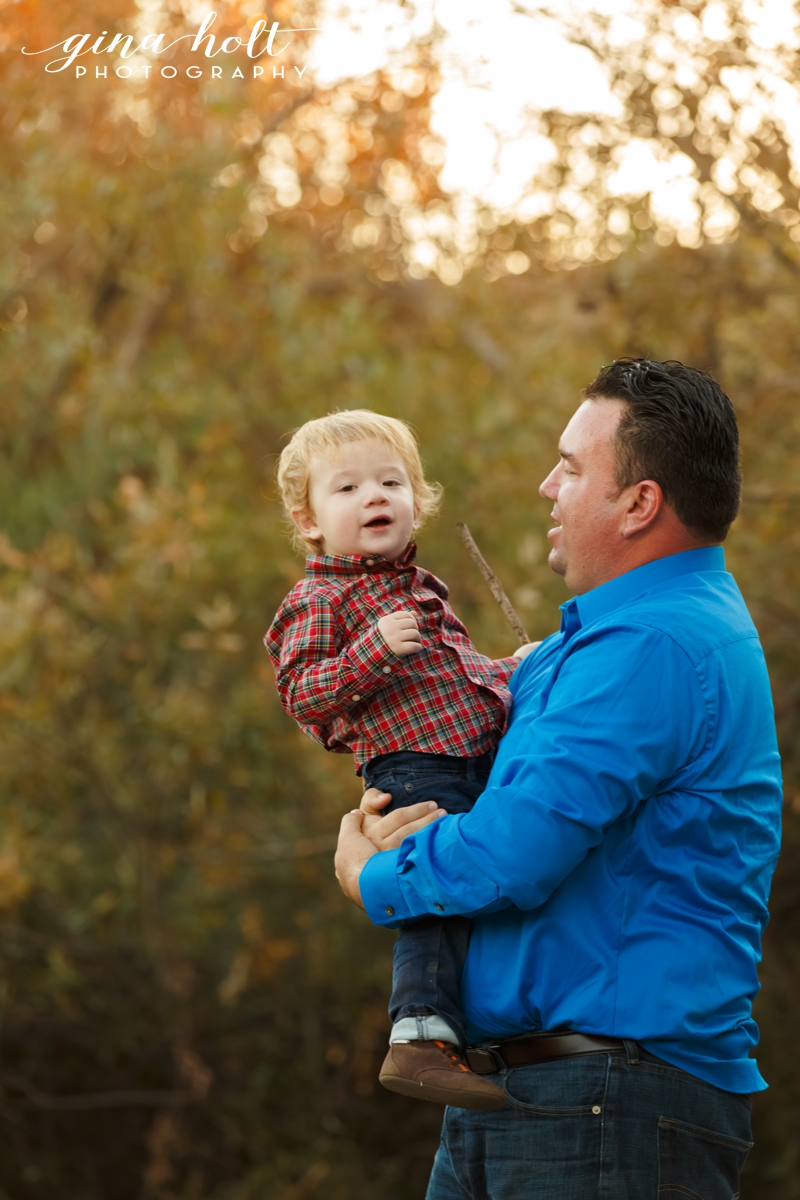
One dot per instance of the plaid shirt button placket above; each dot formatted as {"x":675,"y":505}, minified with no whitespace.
{"x":329,"y":655}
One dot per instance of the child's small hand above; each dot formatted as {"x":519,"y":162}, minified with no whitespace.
{"x":523,"y":651}
{"x":401,"y":632}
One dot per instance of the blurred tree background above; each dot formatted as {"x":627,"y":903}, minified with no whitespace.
{"x":188,"y":1009}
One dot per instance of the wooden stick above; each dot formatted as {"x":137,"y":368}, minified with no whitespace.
{"x":494,"y":583}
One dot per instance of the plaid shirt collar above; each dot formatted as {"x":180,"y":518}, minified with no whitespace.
{"x":346,"y":564}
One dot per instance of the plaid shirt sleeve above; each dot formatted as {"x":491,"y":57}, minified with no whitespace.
{"x":499,"y":670}
{"x":315,"y":681}
{"x":504,"y":668}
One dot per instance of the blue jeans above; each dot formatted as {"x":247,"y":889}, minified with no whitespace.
{"x":429,"y":954}
{"x":618,"y":1126}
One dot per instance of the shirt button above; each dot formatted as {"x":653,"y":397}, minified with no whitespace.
{"x":387,"y":670}
{"x":438,"y":907}
{"x":356,"y":696}
{"x":595,"y":1107}
{"x":390,"y":913}
{"x":370,"y":562}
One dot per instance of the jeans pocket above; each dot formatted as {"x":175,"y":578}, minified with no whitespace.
{"x":698,"y":1164}
{"x":382,"y":780}
{"x":452,"y":793}
{"x":558,"y":1089}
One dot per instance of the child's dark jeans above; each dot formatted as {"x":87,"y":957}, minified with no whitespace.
{"x":429,"y":954}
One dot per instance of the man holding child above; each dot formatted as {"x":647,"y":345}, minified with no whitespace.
{"x":618,"y":862}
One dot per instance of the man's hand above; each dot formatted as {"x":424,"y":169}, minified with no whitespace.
{"x":352,"y":852}
{"x":525,"y":650}
{"x":401,"y":632}
{"x":374,"y":802}
{"x":387,"y":833}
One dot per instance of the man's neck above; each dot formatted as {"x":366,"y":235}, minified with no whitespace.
{"x":646,"y":551}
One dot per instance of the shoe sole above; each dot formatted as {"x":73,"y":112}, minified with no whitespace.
{"x":456,"y":1099}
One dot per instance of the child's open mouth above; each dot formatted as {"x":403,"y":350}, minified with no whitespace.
{"x":377,"y":522}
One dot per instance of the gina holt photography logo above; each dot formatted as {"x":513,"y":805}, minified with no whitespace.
{"x":266,"y":39}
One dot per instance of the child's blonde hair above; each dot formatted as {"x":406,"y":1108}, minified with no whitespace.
{"x":316,"y":439}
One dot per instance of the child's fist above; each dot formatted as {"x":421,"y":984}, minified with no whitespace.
{"x":401,"y":632}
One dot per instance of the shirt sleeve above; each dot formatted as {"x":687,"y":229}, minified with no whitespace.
{"x":316,"y":680}
{"x":624,"y":715}
{"x":505,"y":667}
{"x":499,"y":670}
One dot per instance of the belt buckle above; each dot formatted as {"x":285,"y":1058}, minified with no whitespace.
{"x":483,"y":1060}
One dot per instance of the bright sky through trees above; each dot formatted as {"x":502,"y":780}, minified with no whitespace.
{"x":503,"y":62}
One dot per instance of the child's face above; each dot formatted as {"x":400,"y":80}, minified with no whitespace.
{"x":361,"y":502}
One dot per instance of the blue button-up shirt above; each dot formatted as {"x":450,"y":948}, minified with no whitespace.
{"x":619,"y":861}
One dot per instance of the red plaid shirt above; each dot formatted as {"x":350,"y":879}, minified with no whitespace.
{"x":340,"y":681}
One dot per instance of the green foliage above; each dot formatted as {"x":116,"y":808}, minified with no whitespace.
{"x":189,"y":1009}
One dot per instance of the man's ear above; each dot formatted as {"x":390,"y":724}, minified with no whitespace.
{"x":305,"y":521}
{"x":645,"y":503}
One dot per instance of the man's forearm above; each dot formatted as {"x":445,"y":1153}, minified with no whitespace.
{"x":393,"y":889}
{"x":355,"y":850}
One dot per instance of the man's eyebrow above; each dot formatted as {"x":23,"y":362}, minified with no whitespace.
{"x":566,"y":453}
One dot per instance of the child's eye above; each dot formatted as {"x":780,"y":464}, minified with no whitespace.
{"x":391,"y":483}
{"x":347,"y":487}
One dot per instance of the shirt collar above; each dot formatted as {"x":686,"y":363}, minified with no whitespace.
{"x":602,"y":600}
{"x":346,"y":564}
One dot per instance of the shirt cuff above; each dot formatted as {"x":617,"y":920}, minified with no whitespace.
{"x":380,"y":890}
{"x":508,"y":665}
{"x":372,"y":661}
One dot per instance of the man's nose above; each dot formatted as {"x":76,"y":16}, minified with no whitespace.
{"x":549,"y":487}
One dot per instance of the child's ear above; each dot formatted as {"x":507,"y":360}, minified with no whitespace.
{"x":417,"y":511}
{"x":306,"y":522}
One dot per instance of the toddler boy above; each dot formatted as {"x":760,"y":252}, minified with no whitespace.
{"x":369,"y":657}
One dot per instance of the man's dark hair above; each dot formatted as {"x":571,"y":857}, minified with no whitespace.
{"x":679,"y":429}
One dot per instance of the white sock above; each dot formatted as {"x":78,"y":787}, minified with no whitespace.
{"x":427,"y":1028}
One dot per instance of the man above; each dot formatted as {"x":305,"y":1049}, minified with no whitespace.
{"x":619,"y":861}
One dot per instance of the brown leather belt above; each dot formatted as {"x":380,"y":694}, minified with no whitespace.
{"x":537,"y":1048}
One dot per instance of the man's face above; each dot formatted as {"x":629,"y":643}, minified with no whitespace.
{"x":587,"y":540}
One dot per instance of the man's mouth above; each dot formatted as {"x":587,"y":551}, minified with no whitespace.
{"x":557,"y":527}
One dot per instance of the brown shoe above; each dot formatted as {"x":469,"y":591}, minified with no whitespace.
{"x":436,"y":1071}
